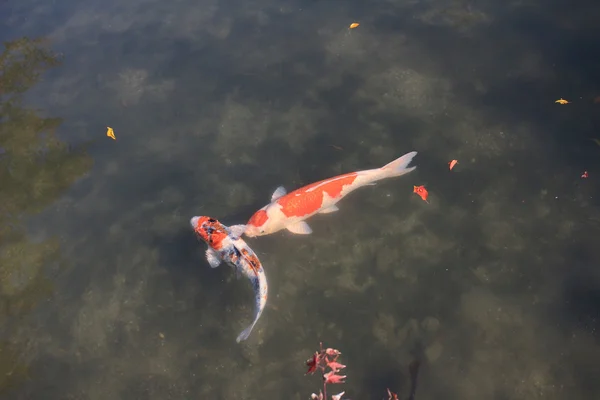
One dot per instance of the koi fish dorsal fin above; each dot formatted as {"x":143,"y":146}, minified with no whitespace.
{"x":330,"y":209}
{"x":279,"y":192}
{"x":300,"y":228}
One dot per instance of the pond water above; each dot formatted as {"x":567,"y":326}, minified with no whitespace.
{"x":492,"y":285}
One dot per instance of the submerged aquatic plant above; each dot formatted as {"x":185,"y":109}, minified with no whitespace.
{"x":327,"y":359}
{"x":323,"y":360}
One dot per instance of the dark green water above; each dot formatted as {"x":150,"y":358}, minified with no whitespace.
{"x":494,"y":285}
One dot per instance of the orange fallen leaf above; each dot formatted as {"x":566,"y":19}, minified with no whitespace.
{"x":110,"y":133}
{"x":562,"y":101}
{"x":354,"y":25}
{"x":452,"y":164}
{"x":422,"y":192}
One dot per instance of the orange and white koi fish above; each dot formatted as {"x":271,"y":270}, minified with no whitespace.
{"x":224,"y":244}
{"x":288,"y":211}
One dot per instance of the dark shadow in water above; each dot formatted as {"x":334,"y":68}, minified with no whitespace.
{"x":395,"y":374}
{"x":383,"y":375}
{"x":183,"y":254}
{"x":413,"y":372}
{"x":582,"y":304}
{"x":581,"y":290}
{"x":580,"y":309}
{"x":183,"y":257}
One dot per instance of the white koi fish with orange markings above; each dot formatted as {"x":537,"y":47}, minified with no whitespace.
{"x":288,"y":211}
{"x":224,"y":244}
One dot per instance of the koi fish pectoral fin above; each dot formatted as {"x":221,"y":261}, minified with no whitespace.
{"x":279,"y":192}
{"x":213,"y":258}
{"x":237,"y":230}
{"x":330,"y":209}
{"x":300,"y":228}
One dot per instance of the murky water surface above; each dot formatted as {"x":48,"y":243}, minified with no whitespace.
{"x":494,"y":284}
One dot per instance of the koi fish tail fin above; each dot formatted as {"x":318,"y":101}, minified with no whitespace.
{"x":399,"y":166}
{"x":259,"y":283}
{"x":245,"y":333}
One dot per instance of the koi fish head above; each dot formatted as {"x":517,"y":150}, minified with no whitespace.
{"x":209,"y":230}
{"x":258,"y":224}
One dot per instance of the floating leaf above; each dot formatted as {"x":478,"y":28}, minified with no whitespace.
{"x":422,"y":192}
{"x":452,"y":163}
{"x":110,"y":133}
{"x":562,"y":101}
{"x":354,"y":25}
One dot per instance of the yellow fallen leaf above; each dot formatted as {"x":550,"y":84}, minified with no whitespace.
{"x":354,"y":25}
{"x":161,"y":335}
{"x":561,"y":101}
{"x":110,"y":133}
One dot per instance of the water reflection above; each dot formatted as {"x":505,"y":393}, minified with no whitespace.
{"x":35,"y":169}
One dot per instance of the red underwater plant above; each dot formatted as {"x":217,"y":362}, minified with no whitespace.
{"x":326,"y":359}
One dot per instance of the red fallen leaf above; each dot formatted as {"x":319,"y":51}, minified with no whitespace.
{"x":317,"y":397}
{"x":422,"y":192}
{"x":585,"y":174}
{"x":331,"y":377}
{"x":393,"y":396}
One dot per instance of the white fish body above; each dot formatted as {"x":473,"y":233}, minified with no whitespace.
{"x":290,"y":210}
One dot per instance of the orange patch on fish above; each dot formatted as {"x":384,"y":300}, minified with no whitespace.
{"x":215,"y":237}
{"x":309,"y":199}
{"x":216,"y":240}
{"x":252,"y":260}
{"x":421,"y":191}
{"x":259,"y":218}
